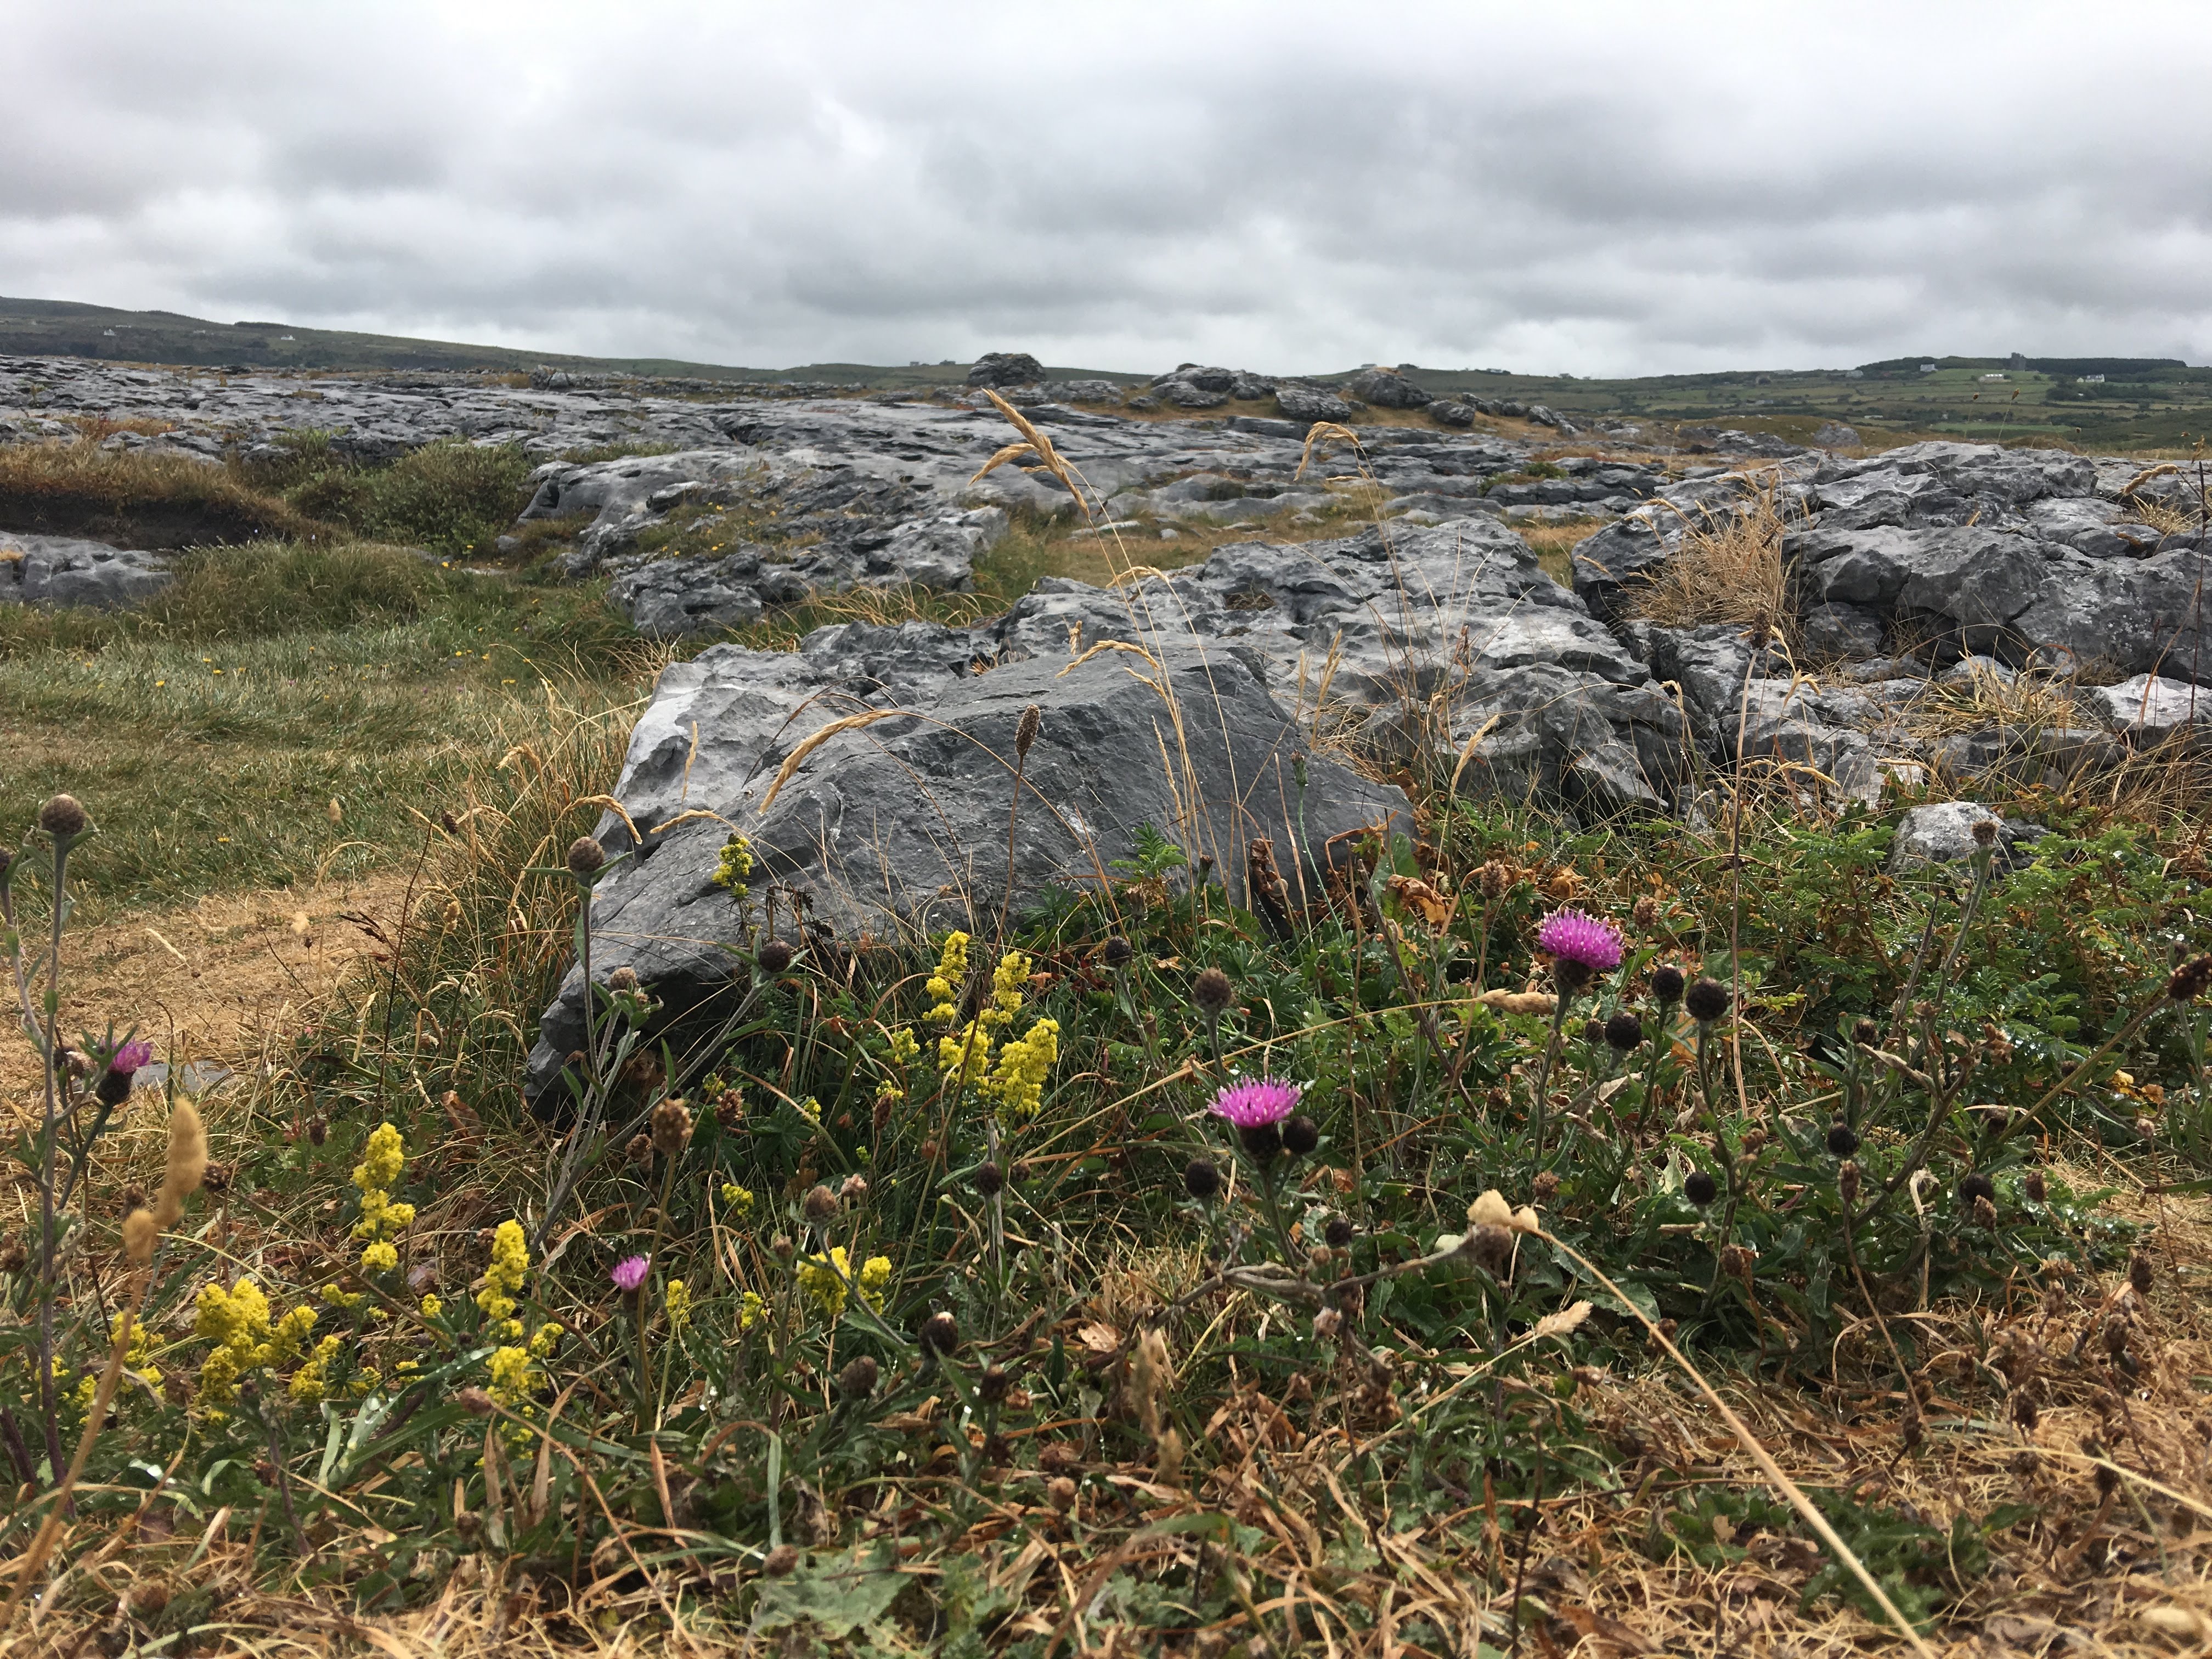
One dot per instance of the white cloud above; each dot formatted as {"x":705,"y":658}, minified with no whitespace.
{"x":1598,"y":189}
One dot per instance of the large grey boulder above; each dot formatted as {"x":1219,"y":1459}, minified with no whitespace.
{"x":1005,"y":368}
{"x":1385,"y":388}
{"x":1940,"y":834}
{"x":59,"y":570}
{"x":1305,"y":402}
{"x":900,"y":829}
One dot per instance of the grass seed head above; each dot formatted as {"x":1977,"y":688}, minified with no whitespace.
{"x":1025,"y":730}
{"x":139,"y":1233}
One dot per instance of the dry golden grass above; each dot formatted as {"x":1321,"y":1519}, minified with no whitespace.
{"x":78,"y":487}
{"x":1554,"y":544}
{"x":1729,"y":567}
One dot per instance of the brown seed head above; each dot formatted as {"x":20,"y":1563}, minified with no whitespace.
{"x":1847,"y":1181}
{"x":1706,"y":1001}
{"x":1060,"y":1492}
{"x":775,"y":955}
{"x":2139,"y":1273}
{"x":138,"y":1235}
{"x":318,"y":1129}
{"x":1211,"y":993}
{"x":585,"y":857}
{"x":1117,"y":952}
{"x":2191,"y":979}
{"x":853,"y":1189}
{"x":1546,"y":1186}
{"x":476,"y":1402}
{"x":780,"y":1562}
{"x":940,"y":1333}
{"x":2032,"y":1185}
{"x":62,"y":817}
{"x":623,"y":979}
{"x":1025,"y":730}
{"x":1492,"y":879}
{"x":671,"y":1127}
{"x":1645,"y":912}
{"x":640,"y":1151}
{"x":820,"y":1204}
{"x":1984,"y":832}
{"x":858,"y":1380}
{"x":992,"y":1386}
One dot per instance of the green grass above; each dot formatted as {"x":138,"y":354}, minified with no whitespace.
{"x":209,"y":733}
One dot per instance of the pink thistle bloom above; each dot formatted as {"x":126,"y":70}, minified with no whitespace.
{"x":629,"y":1273}
{"x":1257,"y":1104}
{"x":132,"y":1056}
{"x":1591,"y":945}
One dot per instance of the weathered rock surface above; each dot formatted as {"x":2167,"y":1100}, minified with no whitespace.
{"x":54,"y":570}
{"x":902,"y":826}
{"x":1004,"y":368}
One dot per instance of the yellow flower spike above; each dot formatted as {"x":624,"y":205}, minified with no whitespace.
{"x":677,"y":1299}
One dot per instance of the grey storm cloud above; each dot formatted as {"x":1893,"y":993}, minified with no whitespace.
{"x":1594,"y":189}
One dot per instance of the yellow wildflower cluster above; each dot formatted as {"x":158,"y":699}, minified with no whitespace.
{"x":516,"y":1373}
{"x":237,"y":1321}
{"x":510,"y":1261}
{"x":1017,"y":1083}
{"x":677,"y":1298}
{"x":1009,"y":980}
{"x":376,"y":1175}
{"x":824,"y":1279}
{"x":904,"y":1047}
{"x":943,"y":986}
{"x":138,"y":1358}
{"x":751,"y":1310}
{"x":738,"y":1199}
{"x":965,"y":1056}
{"x":312,"y":1381}
{"x":734,"y":866}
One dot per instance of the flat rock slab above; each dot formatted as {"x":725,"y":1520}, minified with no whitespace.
{"x":901,"y":828}
{"x":54,"y":570}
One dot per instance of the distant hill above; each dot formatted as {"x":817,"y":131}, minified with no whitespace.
{"x":63,"y":328}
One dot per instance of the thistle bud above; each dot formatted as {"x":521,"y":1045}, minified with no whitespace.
{"x":858,"y":1380}
{"x":1117,"y":953}
{"x":820,"y":1204}
{"x":1706,"y":1001}
{"x":939,"y":1333}
{"x":62,"y":817}
{"x":1699,"y":1187}
{"x":774,"y":956}
{"x":1262,"y":1142}
{"x":1984,"y":832}
{"x":1492,"y":1246}
{"x":1843,"y":1139}
{"x":1060,"y":1492}
{"x":990,"y":1179}
{"x":1493,"y":878}
{"x":318,"y":1129}
{"x":1594,"y":1032}
{"x":586,"y":857}
{"x":1546,"y":1186}
{"x":1210,"y":991}
{"x":2139,"y":1273}
{"x":992,"y":1386}
{"x":1201,"y":1178}
{"x":1864,"y":1032}
{"x":1300,"y":1136}
{"x":1974,"y":1187}
{"x":2191,"y":979}
{"x":1666,"y":982}
{"x":1623,"y":1032}
{"x":1338,"y":1232}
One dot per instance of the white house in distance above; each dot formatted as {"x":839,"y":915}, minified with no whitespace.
{"x":2090,"y":379}
{"x":1993,"y":377}
{"x":1926,"y":369}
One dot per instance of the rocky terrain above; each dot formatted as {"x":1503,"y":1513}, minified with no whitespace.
{"x":1940,"y":587}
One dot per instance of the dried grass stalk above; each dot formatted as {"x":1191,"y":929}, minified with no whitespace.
{"x":814,"y":740}
{"x":1729,"y":567}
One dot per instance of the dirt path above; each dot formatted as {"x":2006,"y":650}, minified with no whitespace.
{"x":215,"y":980}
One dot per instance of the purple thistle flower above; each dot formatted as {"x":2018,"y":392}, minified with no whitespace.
{"x":1579,"y":945}
{"x":1573,"y":936}
{"x":628,"y":1273}
{"x":130,"y":1056}
{"x":1260,"y":1104}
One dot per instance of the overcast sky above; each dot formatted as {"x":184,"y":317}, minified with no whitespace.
{"x":1551,"y":188}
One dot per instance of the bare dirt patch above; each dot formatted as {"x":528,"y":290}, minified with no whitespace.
{"x":214,"y":980}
